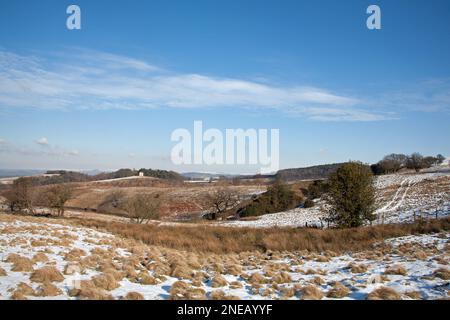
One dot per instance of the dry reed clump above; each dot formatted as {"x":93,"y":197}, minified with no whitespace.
{"x":133,"y":296}
{"x":233,"y":269}
{"x":442,"y":273}
{"x":229,"y":240}
{"x":338,"y":291}
{"x":90,"y":262}
{"x":72,"y":268}
{"x":22,"y":290}
{"x":181,"y":271}
{"x":384,"y":293}
{"x":420,"y":255}
{"x":441,"y":260}
{"x":377,"y":279}
{"x":20,"y":264}
{"x":282,"y":277}
{"x":146,"y":279}
{"x":356,"y":268}
{"x":3,"y":272}
{"x":218,"y":281}
{"x":415,"y":295}
{"x":257,"y":278}
{"x":74,"y":255}
{"x":287,"y":292}
{"x":220,"y":295}
{"x":105,"y":281}
{"x":181,"y":290}
{"x":39,"y":257}
{"x":88,"y":291}
{"x":310,"y":292}
{"x":395,"y":270}
{"x":322,"y":259}
{"x":47,"y":274}
{"x":48,"y":289}
{"x":236,"y":285}
{"x":317,"y":280}
{"x":39,"y":243}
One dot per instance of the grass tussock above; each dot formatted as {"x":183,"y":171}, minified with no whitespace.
{"x":384,"y":293}
{"x":47,"y":274}
{"x":395,"y":270}
{"x":22,"y":291}
{"x":442,"y":273}
{"x":220,"y":295}
{"x":133,"y":296}
{"x":310,"y":292}
{"x":182,"y":290}
{"x":3,"y":272}
{"x":338,"y":291}
{"x":105,"y":281}
{"x":88,"y":291}
{"x":39,"y":257}
{"x":19,"y":263}
{"x":229,"y":240}
{"x":218,"y":281}
{"x":48,"y":289}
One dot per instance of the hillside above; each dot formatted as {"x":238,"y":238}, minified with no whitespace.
{"x":308,"y":173}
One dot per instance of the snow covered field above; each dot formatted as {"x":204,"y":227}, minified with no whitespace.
{"x":401,"y":198}
{"x":45,"y":260}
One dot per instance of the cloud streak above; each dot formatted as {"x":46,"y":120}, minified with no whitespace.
{"x":86,"y":79}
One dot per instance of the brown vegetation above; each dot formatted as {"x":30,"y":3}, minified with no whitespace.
{"x":227,"y":240}
{"x":384,"y":293}
{"x":47,"y":274}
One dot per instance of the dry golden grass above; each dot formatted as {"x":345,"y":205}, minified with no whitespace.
{"x":384,"y":293}
{"x":105,"y":281}
{"x":88,"y":291}
{"x":310,"y":292}
{"x":338,"y":291}
{"x":357,"y":268}
{"x":236,"y":285}
{"x":220,"y":295}
{"x":48,"y":289}
{"x":72,"y":268}
{"x":218,"y":281}
{"x":396,"y":270}
{"x":287,"y":292}
{"x":145,"y":278}
{"x":47,"y":274}
{"x":282,"y":277}
{"x":227,"y":240}
{"x":442,"y":273}
{"x":181,"y":290}
{"x":257,"y":278}
{"x":39,"y":257}
{"x":22,"y":290}
{"x":133,"y":296}
{"x":20,"y":264}
{"x":3,"y":272}
{"x":414,"y":295}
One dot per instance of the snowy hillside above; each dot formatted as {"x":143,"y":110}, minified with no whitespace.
{"x":41,"y":260}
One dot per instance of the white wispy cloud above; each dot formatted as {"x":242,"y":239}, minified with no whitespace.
{"x":42,"y":141}
{"x":87,"y":79}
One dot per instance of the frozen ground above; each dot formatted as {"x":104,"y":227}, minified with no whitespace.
{"x":400,"y":198}
{"x":88,"y":264}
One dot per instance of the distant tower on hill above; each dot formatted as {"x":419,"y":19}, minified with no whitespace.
{"x":141,"y":174}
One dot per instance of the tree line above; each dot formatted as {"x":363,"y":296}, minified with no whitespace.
{"x":394,"y":162}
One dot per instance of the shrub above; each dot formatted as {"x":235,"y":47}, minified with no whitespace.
{"x":351,"y":197}
{"x":279,"y":197}
{"x":308,"y":203}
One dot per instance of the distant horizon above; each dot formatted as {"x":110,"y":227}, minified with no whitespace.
{"x":111,"y":94}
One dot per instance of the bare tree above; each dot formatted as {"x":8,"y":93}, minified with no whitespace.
{"x":56,"y":197}
{"x":21,"y":195}
{"x":222,"y":200}
{"x":416,"y":162}
{"x":143,"y":207}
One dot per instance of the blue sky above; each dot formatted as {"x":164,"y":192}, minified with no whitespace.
{"x":109,"y":95}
